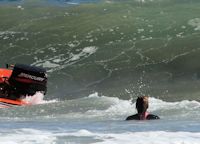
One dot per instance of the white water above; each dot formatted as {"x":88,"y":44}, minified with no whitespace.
{"x":38,"y":98}
{"x":113,"y":108}
{"x":29,"y":136}
{"x":99,"y":119}
{"x":52,"y":63}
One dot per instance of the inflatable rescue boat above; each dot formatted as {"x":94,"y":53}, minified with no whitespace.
{"x":18,"y":81}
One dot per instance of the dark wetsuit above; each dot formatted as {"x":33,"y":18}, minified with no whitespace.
{"x":137,"y":117}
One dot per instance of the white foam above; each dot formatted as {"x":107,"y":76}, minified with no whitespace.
{"x":85,"y":51}
{"x":109,"y":107}
{"x":195,"y":23}
{"x":100,"y":107}
{"x":151,"y":137}
{"x":115,"y":108}
{"x":147,"y":137}
{"x":27,"y":136}
{"x":8,"y":32}
{"x":48,"y":64}
{"x":156,"y":104}
{"x":90,"y":50}
{"x":37,"y":99}
{"x":20,"y":7}
{"x":72,"y":3}
{"x":30,"y":136}
{"x":96,"y":95}
{"x":61,"y":61}
{"x":143,"y":1}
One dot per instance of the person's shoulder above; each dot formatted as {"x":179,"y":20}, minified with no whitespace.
{"x":152,"y":117}
{"x":133,"y":117}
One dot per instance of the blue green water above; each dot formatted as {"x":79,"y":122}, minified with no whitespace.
{"x":99,"y":56}
{"x":116,"y":48}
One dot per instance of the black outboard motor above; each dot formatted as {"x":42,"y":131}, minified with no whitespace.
{"x":27,"y":80}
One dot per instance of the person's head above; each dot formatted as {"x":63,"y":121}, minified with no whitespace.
{"x":142,"y":104}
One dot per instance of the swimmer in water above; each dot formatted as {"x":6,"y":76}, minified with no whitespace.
{"x":142,"y":105}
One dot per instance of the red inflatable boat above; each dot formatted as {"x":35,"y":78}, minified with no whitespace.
{"x":18,"y":81}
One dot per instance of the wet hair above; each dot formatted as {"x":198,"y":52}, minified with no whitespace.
{"x":142,"y":104}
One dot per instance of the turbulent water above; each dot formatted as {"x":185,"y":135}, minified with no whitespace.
{"x":100,"y":55}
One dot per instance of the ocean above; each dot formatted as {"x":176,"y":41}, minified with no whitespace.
{"x":99,"y":56}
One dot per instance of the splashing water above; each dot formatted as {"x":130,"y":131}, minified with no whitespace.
{"x":38,"y":98}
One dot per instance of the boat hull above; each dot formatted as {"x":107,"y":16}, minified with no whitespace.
{"x":6,"y":103}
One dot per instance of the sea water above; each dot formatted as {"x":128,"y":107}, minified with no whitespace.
{"x":99,"y":56}
{"x":100,"y":119}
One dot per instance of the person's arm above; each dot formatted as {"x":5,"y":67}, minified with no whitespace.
{"x":152,"y":117}
{"x":133,"y":117}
